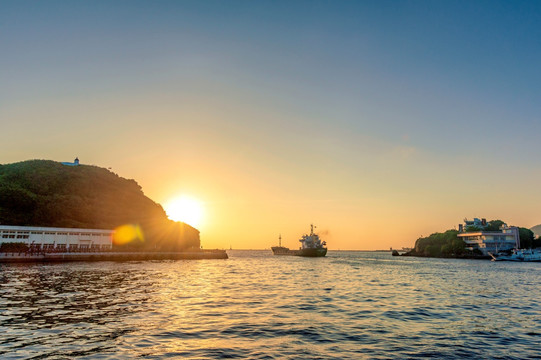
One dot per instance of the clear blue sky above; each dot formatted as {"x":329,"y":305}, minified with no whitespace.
{"x":393,"y":104}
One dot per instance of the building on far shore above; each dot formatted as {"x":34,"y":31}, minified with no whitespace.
{"x":489,"y":241}
{"x":49,"y":239}
{"x":480,"y":223}
{"x":74,"y":163}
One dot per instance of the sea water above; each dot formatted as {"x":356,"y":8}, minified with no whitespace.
{"x":348,"y":305}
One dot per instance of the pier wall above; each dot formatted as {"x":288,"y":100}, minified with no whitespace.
{"x":110,"y":256}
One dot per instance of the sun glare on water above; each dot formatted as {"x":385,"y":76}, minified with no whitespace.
{"x":185,"y":209}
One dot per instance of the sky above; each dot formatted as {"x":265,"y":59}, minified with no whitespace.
{"x":378,"y":121}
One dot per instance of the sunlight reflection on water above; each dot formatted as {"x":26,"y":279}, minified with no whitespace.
{"x":255,"y":305}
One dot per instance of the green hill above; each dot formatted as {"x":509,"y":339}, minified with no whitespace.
{"x":536,"y":230}
{"x":47,"y":193}
{"x":440,"y":244}
{"x":448,"y":244}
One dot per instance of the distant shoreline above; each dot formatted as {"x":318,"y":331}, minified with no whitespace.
{"x":468,"y":257}
{"x":329,"y":250}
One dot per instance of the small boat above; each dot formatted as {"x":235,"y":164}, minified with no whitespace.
{"x":311,"y":246}
{"x":395,"y":252}
{"x":527,"y":255}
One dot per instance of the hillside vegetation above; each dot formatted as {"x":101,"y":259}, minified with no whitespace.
{"x":47,"y":193}
{"x":440,"y":244}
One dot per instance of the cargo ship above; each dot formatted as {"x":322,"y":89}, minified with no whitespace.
{"x":311,"y":246}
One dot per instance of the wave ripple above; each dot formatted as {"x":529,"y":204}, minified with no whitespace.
{"x":349,"y":305}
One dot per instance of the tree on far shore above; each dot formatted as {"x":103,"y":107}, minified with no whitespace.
{"x":526,"y":238}
{"x":439,"y":244}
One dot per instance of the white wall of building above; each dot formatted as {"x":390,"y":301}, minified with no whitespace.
{"x":492,"y":242}
{"x":47,"y":238}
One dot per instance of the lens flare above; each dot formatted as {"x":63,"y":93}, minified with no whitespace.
{"x":125,"y":234}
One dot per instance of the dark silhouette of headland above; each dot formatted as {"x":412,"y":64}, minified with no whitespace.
{"x":45,"y":193}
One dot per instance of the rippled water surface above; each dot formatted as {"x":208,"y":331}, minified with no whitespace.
{"x":349,"y":305}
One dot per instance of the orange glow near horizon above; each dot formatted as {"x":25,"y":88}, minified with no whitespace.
{"x":185,"y":209}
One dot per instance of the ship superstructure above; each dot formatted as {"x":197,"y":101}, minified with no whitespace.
{"x":311,"y":246}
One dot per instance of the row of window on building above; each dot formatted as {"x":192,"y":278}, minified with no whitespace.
{"x":12,"y":236}
{"x":71,"y":247}
{"x":492,"y":238}
{"x":4,"y":233}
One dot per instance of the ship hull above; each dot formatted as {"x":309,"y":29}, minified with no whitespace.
{"x":280,"y":250}
{"x":313,"y":252}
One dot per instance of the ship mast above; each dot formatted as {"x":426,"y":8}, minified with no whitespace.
{"x":280,"y":240}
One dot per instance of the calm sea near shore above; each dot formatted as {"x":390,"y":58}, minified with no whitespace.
{"x":349,"y":305}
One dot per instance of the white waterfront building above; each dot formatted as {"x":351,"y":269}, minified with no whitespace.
{"x":492,"y":241}
{"x":50,"y":239}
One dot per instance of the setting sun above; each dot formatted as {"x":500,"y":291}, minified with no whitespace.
{"x":185,"y":209}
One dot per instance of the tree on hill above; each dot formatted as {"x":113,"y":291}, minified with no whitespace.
{"x":494,"y":225}
{"x":440,"y":244}
{"x":472,"y":228}
{"x":526,"y":238}
{"x":47,"y":193}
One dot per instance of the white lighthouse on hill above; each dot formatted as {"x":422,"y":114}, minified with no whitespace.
{"x":74,"y":163}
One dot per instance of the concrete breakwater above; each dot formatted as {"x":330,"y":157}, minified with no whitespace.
{"x":14,"y":257}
